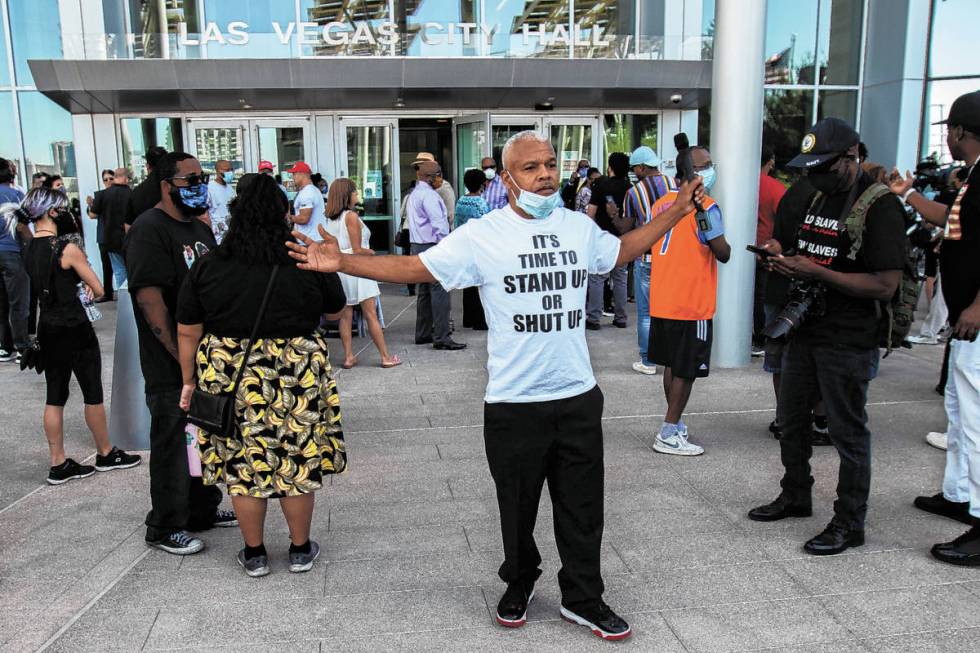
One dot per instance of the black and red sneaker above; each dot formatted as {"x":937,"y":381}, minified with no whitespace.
{"x":512,"y":608}
{"x":600,"y":619}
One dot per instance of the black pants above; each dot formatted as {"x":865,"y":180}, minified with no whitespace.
{"x":560,"y":441}
{"x":473,"y":315}
{"x":106,"y":271}
{"x":178,"y":501}
{"x":758,"y":305}
{"x":840,"y":376}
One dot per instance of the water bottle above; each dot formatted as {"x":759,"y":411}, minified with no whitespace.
{"x":93,"y":313}
{"x":193,"y":453}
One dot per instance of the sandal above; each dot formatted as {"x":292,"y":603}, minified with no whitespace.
{"x":394,"y":362}
{"x":349,"y":365}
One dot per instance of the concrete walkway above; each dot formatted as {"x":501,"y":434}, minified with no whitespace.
{"x":411,"y":539}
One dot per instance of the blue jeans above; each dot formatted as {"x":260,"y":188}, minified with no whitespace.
{"x":641,"y":290}
{"x":118,"y":268}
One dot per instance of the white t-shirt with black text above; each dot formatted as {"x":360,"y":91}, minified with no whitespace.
{"x":533,"y":277}
{"x":309,"y":197}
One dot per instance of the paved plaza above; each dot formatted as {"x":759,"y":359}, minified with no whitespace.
{"x":411,"y":539}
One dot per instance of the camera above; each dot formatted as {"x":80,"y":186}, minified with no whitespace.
{"x":805,"y":298}
{"x":676,"y":98}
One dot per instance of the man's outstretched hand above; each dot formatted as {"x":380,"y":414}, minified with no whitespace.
{"x":316,"y":256}
{"x":691,"y":191}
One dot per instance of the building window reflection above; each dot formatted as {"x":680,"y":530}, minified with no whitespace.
{"x":35,"y":33}
{"x":787,"y":116}
{"x":624,"y":132}
{"x":839,"y":41}
{"x":359,"y":28}
{"x":48,"y":145}
{"x":137,"y":135}
{"x":604,"y":29}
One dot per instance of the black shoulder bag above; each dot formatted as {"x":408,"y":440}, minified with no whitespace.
{"x":216,"y":413}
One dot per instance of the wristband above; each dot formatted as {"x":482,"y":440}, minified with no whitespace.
{"x":905,"y":195}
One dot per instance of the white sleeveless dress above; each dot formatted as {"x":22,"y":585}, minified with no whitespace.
{"x":356,"y":288}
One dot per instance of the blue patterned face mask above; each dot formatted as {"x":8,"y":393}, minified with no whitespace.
{"x":191,"y":200}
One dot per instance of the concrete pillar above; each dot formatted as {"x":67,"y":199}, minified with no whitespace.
{"x":736,"y":144}
{"x":892,"y":94}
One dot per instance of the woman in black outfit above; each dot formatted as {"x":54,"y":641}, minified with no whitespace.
{"x":59,"y":269}
{"x":287,"y":409}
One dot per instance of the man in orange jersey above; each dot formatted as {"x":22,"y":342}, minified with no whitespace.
{"x":683,"y":282}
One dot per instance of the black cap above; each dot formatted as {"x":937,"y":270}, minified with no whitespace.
{"x":826,"y":140}
{"x":964,"y":112}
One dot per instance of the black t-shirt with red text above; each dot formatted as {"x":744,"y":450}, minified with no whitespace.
{"x":849,"y":321}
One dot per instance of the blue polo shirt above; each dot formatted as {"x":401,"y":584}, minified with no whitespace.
{"x":9,"y":195}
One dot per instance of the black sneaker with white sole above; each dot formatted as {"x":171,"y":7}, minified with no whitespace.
{"x":69,"y":471}
{"x":116,"y":459}
{"x":300,"y":561}
{"x":512,"y":607}
{"x":600,"y":619}
{"x":225,"y":518}
{"x":256,"y":566}
{"x":179,"y":543}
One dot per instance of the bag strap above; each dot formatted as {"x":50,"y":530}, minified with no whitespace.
{"x":857,"y":218}
{"x":255,"y":331}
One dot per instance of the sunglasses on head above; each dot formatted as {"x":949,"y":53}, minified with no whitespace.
{"x":192,"y":180}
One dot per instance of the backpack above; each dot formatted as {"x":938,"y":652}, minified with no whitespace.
{"x":897,"y":314}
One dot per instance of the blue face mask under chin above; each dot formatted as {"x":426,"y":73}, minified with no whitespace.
{"x":537,"y":206}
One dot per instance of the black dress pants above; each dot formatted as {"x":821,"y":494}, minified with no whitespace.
{"x":840,"y":376}
{"x":178,"y":500}
{"x":561,"y":442}
{"x":106,"y":271}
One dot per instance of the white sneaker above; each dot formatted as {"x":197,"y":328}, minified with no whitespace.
{"x":937,"y":440}
{"x":7,"y":357}
{"x":649,"y":370}
{"x":923,"y":340}
{"x":677,"y":445}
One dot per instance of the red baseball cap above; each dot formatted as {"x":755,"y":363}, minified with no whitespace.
{"x":266,"y":165}
{"x":300,"y":166}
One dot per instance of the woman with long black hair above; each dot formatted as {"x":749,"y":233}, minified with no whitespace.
{"x":62,"y":279}
{"x":287,"y":411}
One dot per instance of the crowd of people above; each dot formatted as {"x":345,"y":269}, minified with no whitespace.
{"x":536,"y":257}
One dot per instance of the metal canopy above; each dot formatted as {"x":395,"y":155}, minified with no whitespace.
{"x":136,"y":86}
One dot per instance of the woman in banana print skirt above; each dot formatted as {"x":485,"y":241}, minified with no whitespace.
{"x":288,"y":411}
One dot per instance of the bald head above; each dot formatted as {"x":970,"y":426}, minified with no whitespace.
{"x":120,"y":176}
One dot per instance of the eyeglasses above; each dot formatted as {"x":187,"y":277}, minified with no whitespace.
{"x":192,"y":180}
{"x":827,"y":166}
{"x":108,"y":179}
{"x":706,"y":166}
{"x":489,"y":167}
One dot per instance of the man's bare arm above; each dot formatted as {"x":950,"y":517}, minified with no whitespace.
{"x":157,"y":316}
{"x":641,"y":240}
{"x":393,"y":269}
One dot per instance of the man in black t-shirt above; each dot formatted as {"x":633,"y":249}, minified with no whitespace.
{"x":608,"y":194}
{"x":162,"y":245}
{"x":834,"y":351}
{"x":960,"y":273}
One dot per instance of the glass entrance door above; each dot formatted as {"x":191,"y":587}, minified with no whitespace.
{"x":213,"y":141}
{"x":471,"y":143}
{"x":574,"y":139}
{"x":503,"y":127}
{"x":367,"y":153}
{"x":283,"y":142}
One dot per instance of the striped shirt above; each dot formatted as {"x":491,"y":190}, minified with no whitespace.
{"x":496,"y":194}
{"x":643,"y":195}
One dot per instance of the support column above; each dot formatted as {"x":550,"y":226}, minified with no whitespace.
{"x":736,"y":145}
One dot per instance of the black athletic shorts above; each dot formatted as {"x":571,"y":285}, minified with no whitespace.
{"x":682,"y":345}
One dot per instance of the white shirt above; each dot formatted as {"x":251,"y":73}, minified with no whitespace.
{"x":533,"y":279}
{"x":309,"y":197}
{"x":219,"y":195}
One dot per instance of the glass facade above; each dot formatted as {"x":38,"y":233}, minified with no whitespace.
{"x":613,"y":29}
{"x":137,"y":135}
{"x":952,"y":70}
{"x":813,"y":50}
{"x":39,"y":134}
